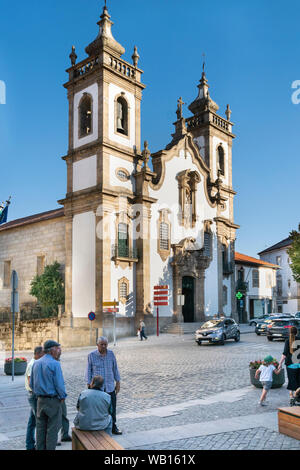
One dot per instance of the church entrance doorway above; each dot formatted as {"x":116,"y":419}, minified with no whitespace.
{"x":188,"y":290}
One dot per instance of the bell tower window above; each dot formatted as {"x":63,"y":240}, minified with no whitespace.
{"x":221,"y":160}
{"x":85,"y":116}
{"x":122,"y":116}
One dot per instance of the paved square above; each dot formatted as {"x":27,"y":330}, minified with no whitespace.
{"x":174,"y":395}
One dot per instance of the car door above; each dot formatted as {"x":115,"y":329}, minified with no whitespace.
{"x":229,"y":328}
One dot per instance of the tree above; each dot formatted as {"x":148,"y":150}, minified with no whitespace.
{"x":294,"y":254}
{"x":49,"y":288}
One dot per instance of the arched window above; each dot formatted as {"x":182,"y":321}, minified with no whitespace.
{"x":85,"y":116}
{"x":123,"y":287}
{"x":164,"y":236}
{"x":123,"y":240}
{"x":122,"y":116}
{"x":221,"y":160}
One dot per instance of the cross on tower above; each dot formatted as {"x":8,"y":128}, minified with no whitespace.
{"x":179,"y":108}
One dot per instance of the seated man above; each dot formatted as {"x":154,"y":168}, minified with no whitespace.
{"x":94,"y":408}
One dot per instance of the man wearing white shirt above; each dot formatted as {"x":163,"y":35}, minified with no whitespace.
{"x":32,"y":399}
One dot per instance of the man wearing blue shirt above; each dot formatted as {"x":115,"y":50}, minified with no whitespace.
{"x":48,"y":385}
{"x":103,"y":362}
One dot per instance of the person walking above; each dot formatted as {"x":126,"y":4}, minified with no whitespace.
{"x":103,"y":362}
{"x":142,"y":330}
{"x":265,"y":374}
{"x":290,"y":347}
{"x":94,"y":408}
{"x":47,"y":383}
{"x":32,"y":399}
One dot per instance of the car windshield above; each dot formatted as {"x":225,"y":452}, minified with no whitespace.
{"x":212,"y":324}
{"x":283,"y":323}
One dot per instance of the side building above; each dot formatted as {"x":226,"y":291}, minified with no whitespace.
{"x":255,"y":286}
{"x":288,"y":290}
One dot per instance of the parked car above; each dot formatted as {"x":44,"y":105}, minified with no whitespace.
{"x":280,"y":328}
{"x":297,"y":315}
{"x":218,"y":331}
{"x":261,"y":327}
{"x":270,"y":316}
{"x":254,"y":321}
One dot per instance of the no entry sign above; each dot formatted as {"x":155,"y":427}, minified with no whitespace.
{"x":91,"y":316}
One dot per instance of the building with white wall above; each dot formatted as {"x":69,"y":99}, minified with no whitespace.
{"x":256,"y":282}
{"x":288,"y":290}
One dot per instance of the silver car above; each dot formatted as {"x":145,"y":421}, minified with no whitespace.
{"x":218,"y":331}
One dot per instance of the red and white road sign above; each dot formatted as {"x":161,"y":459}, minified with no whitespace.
{"x":161,"y":296}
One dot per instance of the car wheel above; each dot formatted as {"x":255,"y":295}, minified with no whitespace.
{"x":238,"y":337}
{"x":222,"y":341}
{"x":270,"y":338}
{"x":258,"y":334}
{"x":199,"y":343}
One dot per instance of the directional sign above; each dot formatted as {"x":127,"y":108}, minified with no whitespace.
{"x":110,"y":304}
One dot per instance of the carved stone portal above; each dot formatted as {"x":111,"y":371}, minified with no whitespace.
{"x":190,"y":261}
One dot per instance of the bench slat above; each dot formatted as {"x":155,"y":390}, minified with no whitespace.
{"x":96,"y":443}
{"x":290,"y":430}
{"x":83,"y":439}
{"x":93,"y":440}
{"x":110,"y":442}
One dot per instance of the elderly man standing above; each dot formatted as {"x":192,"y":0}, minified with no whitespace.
{"x":47,"y":383}
{"x":103,"y":362}
{"x":32,"y":399}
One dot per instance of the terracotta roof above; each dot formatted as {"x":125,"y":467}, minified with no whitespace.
{"x":32,"y":219}
{"x":282,"y":244}
{"x":244,"y":259}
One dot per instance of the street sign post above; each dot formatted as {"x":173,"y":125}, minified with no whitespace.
{"x":161,"y":298}
{"x":91,"y":317}
{"x":14,"y":309}
{"x":112,"y":307}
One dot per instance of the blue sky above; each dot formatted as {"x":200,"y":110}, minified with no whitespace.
{"x":252,"y":59}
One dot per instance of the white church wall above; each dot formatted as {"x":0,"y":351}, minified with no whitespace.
{"x":118,"y":163}
{"x":85,"y":173}
{"x":83,"y":264}
{"x":93,"y":91}
{"x":117,"y":273}
{"x":129,"y":141}
{"x":211,"y":281}
{"x":168,"y":197}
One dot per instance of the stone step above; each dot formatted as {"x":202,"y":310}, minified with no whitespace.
{"x":182,"y":328}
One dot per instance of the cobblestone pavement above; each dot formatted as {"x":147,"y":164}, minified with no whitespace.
{"x":249,"y":439}
{"x":171,"y":381}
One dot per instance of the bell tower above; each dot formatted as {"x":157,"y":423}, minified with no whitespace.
{"x":104,"y":94}
{"x":213,"y":135}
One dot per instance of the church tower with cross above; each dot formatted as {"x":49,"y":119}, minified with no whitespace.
{"x":104,"y":94}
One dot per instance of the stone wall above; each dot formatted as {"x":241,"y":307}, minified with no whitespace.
{"x":29,"y":334}
{"x":22,"y":246}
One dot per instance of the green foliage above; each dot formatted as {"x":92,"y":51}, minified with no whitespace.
{"x":49,"y":289}
{"x":294,"y":254}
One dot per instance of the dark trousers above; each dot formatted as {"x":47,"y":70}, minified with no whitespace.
{"x":114,"y":408}
{"x":142,"y":334}
{"x":31,"y":425}
{"x":65,"y":424}
{"x":48,"y":422}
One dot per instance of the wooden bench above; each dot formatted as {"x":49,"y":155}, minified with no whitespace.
{"x":93,"y":440}
{"x":289,"y":421}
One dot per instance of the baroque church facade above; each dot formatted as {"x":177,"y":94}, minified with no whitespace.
{"x":132,"y":220}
